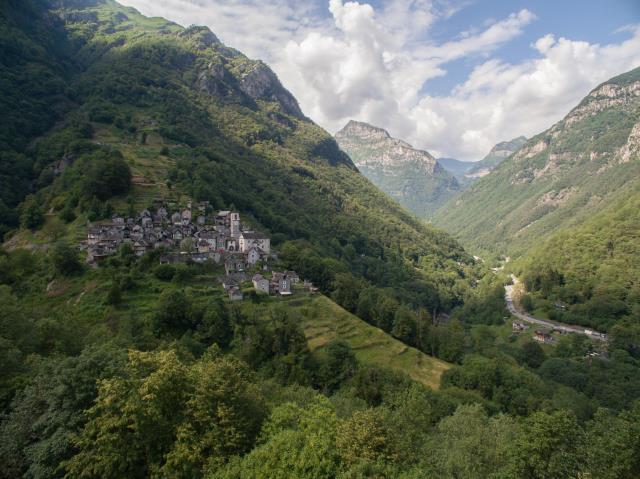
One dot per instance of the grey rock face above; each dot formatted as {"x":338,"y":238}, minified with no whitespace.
{"x":209,"y":81}
{"x":260,"y":83}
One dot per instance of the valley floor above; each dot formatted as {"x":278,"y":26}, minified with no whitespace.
{"x":554,"y":325}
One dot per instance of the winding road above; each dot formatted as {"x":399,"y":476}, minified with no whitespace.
{"x":567,"y":328}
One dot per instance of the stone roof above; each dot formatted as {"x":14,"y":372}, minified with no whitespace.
{"x":253,"y":235}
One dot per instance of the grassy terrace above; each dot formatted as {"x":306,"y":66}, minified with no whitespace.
{"x":323,"y":321}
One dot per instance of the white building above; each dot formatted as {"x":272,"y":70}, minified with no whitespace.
{"x":250,"y":240}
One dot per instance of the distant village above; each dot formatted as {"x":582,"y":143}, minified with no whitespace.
{"x":192,"y":235}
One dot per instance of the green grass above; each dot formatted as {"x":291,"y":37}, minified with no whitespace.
{"x":324,"y":321}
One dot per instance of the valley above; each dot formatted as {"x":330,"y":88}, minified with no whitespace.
{"x":197,"y":280}
{"x":551,"y":325}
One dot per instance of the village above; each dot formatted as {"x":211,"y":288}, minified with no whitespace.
{"x":194,"y":234}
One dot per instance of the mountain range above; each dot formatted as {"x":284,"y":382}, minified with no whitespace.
{"x":466,"y":172}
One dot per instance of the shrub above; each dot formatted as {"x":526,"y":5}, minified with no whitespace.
{"x":165,"y":272}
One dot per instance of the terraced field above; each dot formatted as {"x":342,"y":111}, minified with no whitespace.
{"x":323,"y":321}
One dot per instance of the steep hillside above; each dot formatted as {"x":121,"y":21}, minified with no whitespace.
{"x":590,"y":274}
{"x":412,"y":177}
{"x":35,"y":69}
{"x":190,"y":117}
{"x":581,"y":165}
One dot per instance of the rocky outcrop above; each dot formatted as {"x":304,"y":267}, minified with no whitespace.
{"x":413,"y":177}
{"x":602,"y":98}
{"x":202,"y":37}
{"x":631,"y":149}
{"x":261,"y":83}
{"x":211,"y":80}
{"x":80,"y":17}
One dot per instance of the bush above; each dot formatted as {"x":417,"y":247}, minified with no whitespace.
{"x":65,"y":259}
{"x":114,"y":296}
{"x":107,"y":177}
{"x":165,"y":272}
{"x":32,"y":216}
{"x":67,"y":214}
{"x":527,"y":303}
{"x":182,"y":274}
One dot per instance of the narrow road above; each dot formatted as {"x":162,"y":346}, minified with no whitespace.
{"x":567,"y":328}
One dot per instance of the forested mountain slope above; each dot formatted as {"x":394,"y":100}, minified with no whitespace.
{"x":561,"y":177}
{"x":412,"y":177}
{"x":591,"y":270}
{"x":192,"y":116}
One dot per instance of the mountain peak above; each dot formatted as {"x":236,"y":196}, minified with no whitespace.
{"x":202,"y":36}
{"x":413,"y":177}
{"x":362,"y":129}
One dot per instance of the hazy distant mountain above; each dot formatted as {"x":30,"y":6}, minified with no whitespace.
{"x":496,"y":156}
{"x":457,"y":167}
{"x":466,"y":172}
{"x":412,"y":177}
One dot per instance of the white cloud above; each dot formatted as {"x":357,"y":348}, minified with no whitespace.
{"x":345,"y":60}
{"x":501,"y":100}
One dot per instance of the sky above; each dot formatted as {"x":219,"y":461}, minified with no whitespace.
{"x":453,"y":77}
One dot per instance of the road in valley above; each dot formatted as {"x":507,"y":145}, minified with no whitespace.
{"x":567,"y":328}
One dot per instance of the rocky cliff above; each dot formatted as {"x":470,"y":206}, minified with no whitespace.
{"x":412,"y":177}
{"x":581,"y":165}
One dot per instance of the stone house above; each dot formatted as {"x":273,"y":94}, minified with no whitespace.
{"x":203,"y":246}
{"x":137,"y":232}
{"x":280,"y":284}
{"x":185,"y":216}
{"x":235,"y":294}
{"x":253,"y":256}
{"x":519,"y":326}
{"x":293,"y":276}
{"x":260,"y":284}
{"x":234,"y":264}
{"x":542,"y":336}
{"x":93,"y":236}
